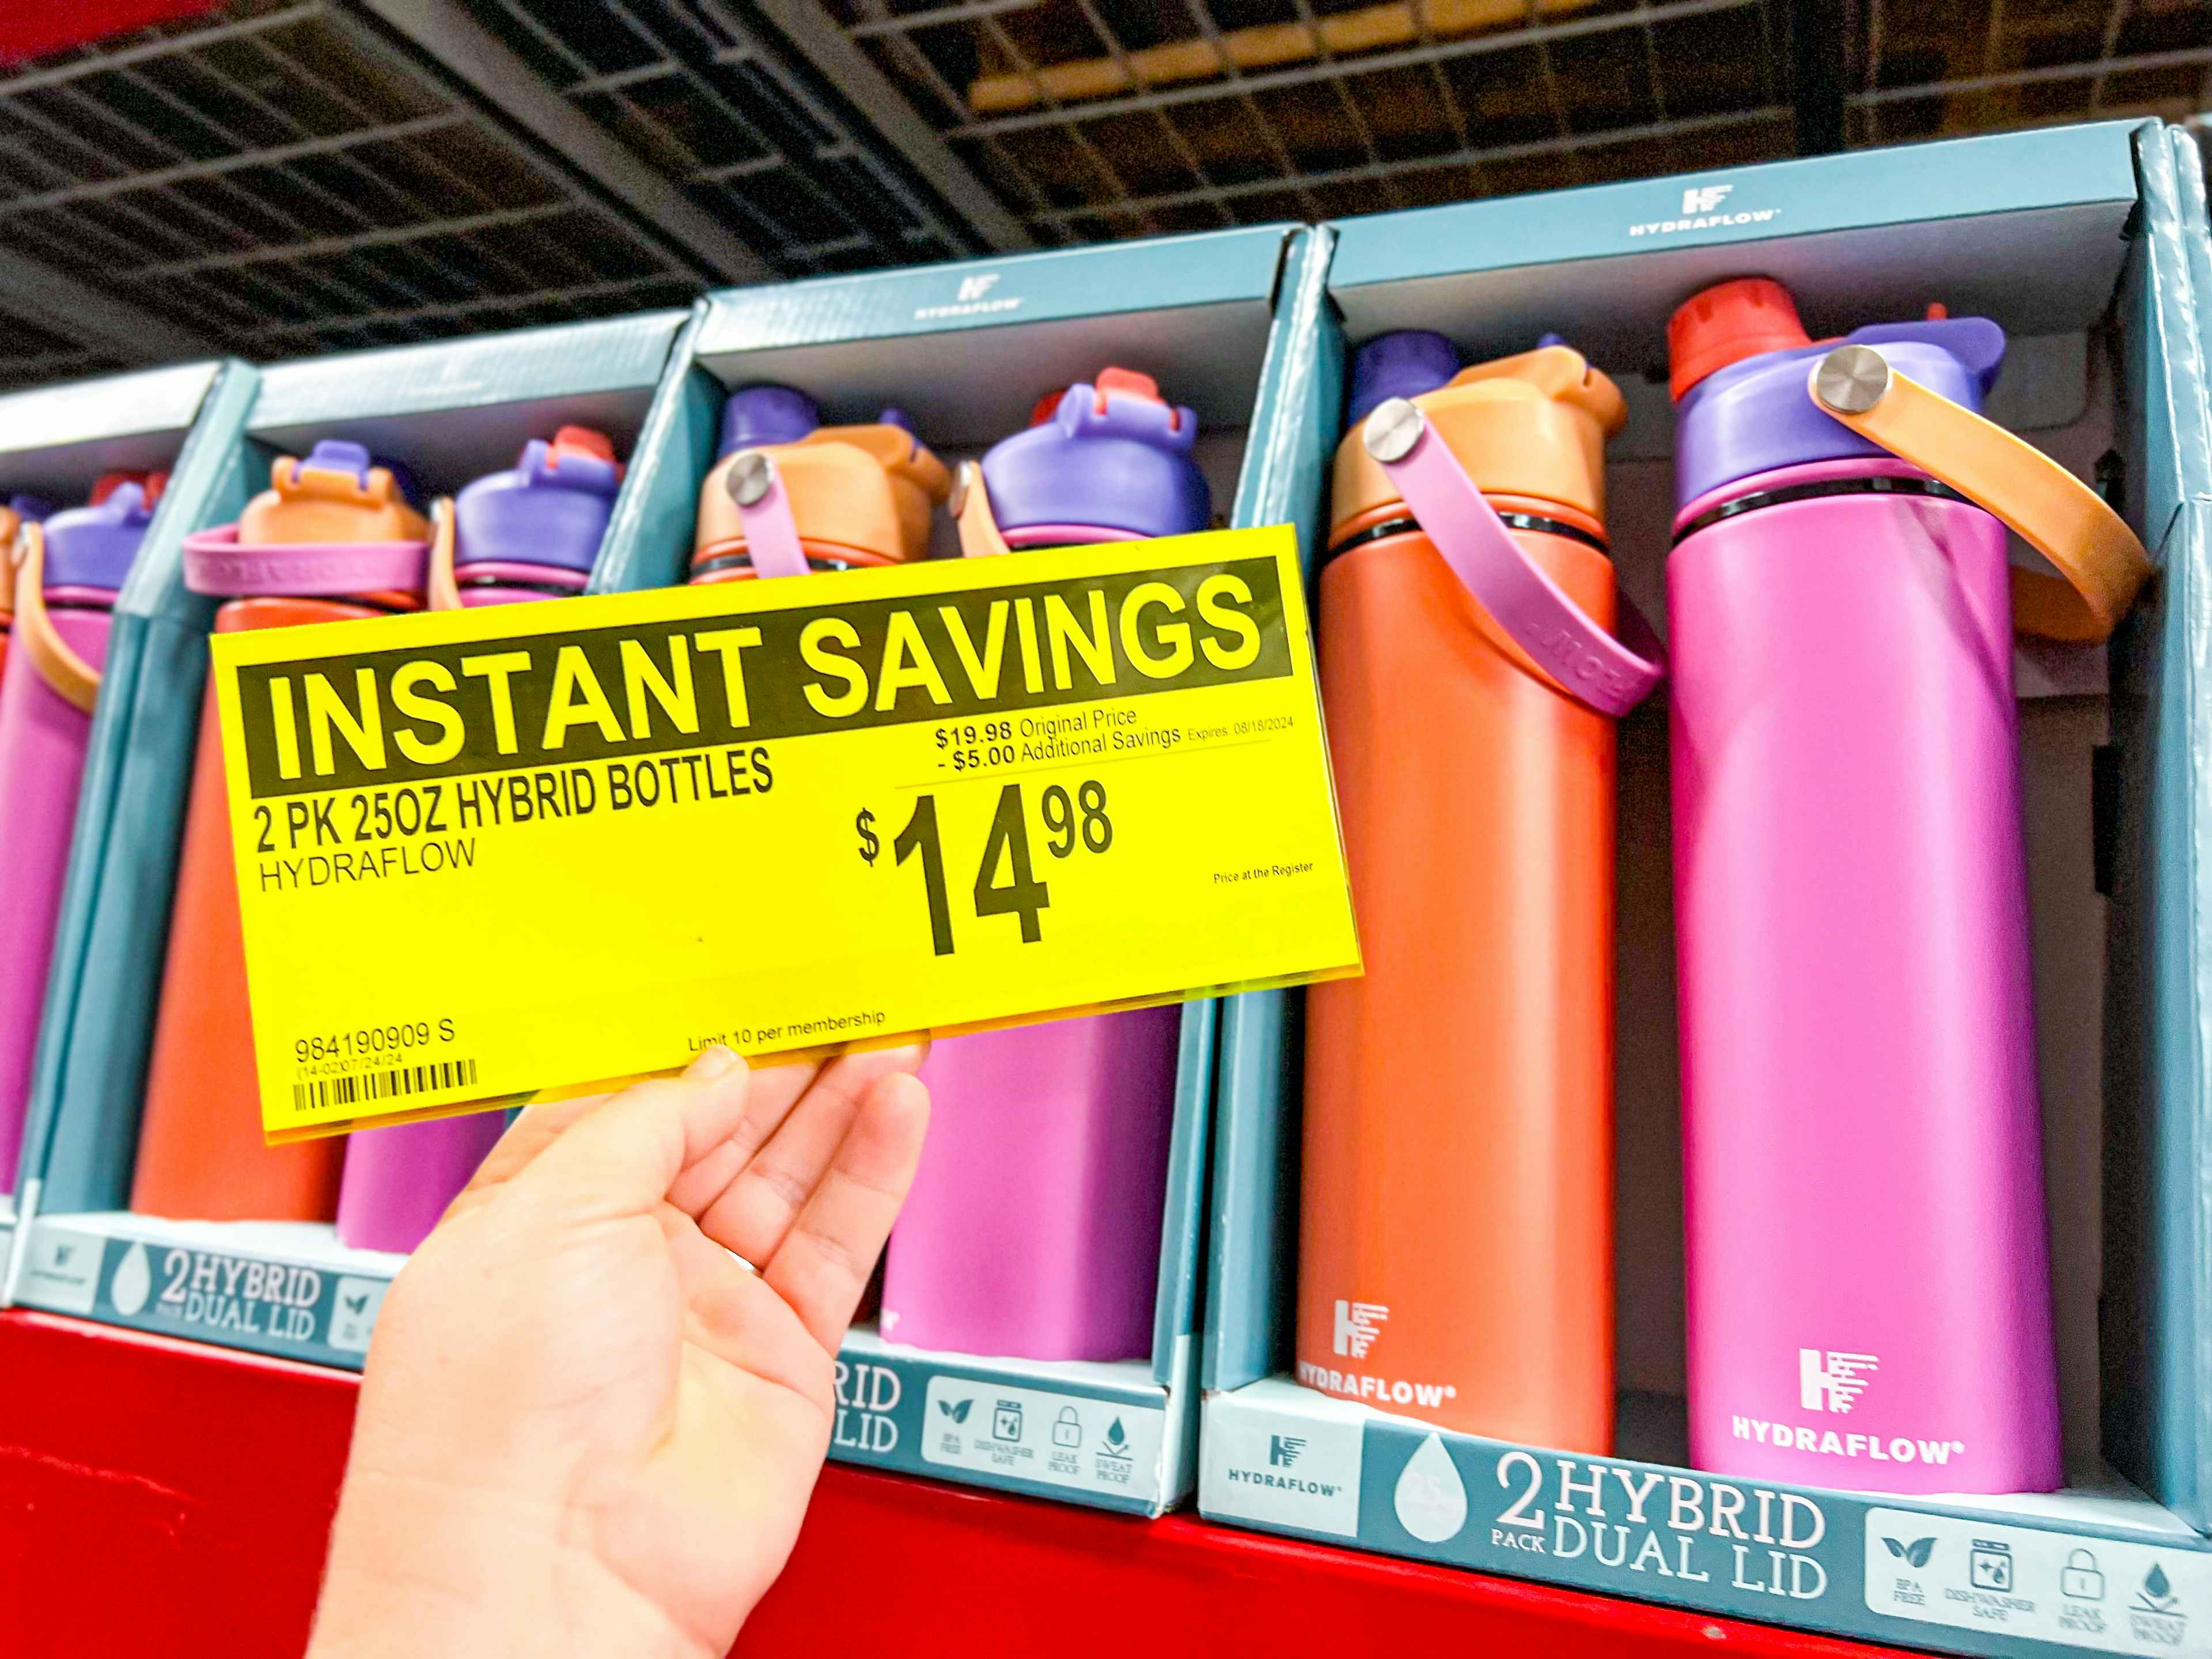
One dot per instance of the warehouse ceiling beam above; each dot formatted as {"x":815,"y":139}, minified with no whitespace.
{"x":808,"y":26}
{"x":53,"y":300}
{"x":443,"y":31}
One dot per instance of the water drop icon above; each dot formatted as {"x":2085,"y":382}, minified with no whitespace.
{"x":1430,"y":1498}
{"x":134,"y":1278}
{"x":2157,"y":1595}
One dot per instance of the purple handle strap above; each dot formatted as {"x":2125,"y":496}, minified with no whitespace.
{"x":772,"y":544}
{"x":1534,"y":612}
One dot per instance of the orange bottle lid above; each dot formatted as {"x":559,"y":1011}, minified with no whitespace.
{"x":335,"y":495}
{"x":865,"y":487}
{"x":1532,"y":426}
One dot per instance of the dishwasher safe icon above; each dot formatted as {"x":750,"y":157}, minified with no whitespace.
{"x":1990,"y":1566}
{"x":1006,"y":1421}
{"x":1067,"y":1429}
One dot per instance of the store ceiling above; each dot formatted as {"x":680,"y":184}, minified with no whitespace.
{"x":283,"y":177}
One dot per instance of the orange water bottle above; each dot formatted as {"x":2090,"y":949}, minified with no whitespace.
{"x":1456,"y":1223}
{"x":333,"y":539}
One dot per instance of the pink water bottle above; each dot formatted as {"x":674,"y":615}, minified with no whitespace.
{"x":509,"y":538}
{"x":1868,"y":1294}
{"x":67,"y":574}
{"x":1033,"y":1229}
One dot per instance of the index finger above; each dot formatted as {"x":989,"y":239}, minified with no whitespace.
{"x":621,"y":1157}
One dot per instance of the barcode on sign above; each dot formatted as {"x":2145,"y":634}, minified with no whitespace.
{"x":322,"y":1095}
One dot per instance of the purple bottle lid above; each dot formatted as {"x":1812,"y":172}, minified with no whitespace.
{"x":93,"y":546}
{"x":767,"y":414}
{"x":1403,"y":364}
{"x":551,"y":511}
{"x":1756,"y":415}
{"x":1113,"y":455}
{"x":30,"y":509}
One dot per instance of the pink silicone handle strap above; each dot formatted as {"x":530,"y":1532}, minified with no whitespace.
{"x":216,"y":564}
{"x":764,"y":509}
{"x":1535,"y":613}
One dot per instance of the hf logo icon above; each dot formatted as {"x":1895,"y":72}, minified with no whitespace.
{"x":1357,"y":1324}
{"x":1833,"y":1382}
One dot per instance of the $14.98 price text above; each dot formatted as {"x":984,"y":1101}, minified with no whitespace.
{"x":1006,"y":882}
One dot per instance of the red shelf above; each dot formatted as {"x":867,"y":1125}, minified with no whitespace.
{"x":159,"y":1497}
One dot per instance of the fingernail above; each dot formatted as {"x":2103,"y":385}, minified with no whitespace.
{"x":712,"y":1063}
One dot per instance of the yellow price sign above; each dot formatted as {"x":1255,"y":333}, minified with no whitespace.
{"x":485,"y":854}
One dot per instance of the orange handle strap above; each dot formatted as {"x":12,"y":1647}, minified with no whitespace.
{"x":73,"y":679}
{"x":441,"y":590}
{"x":979,"y":537}
{"x":2101,"y":560}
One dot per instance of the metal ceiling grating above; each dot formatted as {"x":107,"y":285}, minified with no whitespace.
{"x":1951,"y":66}
{"x":283,"y":181}
{"x":31,"y":353}
{"x":758,"y":139}
{"x":1113,"y":118}
{"x":283,"y":177}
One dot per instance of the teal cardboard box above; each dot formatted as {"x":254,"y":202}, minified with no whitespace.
{"x":1228,"y":324}
{"x":447,"y":412}
{"x":56,"y":442}
{"x":2075,"y":239}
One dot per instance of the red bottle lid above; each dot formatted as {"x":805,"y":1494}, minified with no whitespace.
{"x":1726,"y":324}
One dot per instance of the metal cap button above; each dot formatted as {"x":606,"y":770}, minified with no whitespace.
{"x":1852,"y":379}
{"x":1393,"y":429}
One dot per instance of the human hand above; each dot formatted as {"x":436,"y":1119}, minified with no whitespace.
{"x":585,"y":1428}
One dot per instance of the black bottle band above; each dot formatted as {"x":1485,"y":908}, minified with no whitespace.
{"x":1513,"y":520}
{"x":1813,"y":492}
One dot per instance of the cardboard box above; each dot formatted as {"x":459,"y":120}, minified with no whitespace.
{"x":55,"y":442}
{"x":2075,"y":239}
{"x":451,"y":411}
{"x":1228,"y":323}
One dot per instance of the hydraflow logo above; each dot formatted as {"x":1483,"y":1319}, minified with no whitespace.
{"x":972,"y":299}
{"x":1703,"y":207}
{"x":1833,"y":1382}
{"x":1357,"y":1324}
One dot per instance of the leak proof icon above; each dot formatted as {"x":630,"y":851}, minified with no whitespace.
{"x":1067,"y":1429}
{"x":2080,"y":1579}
